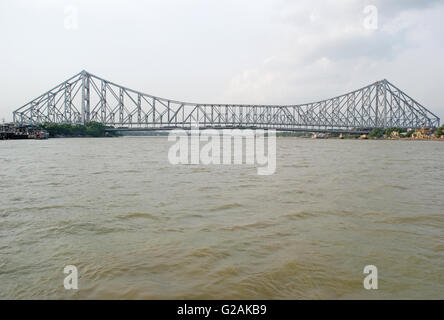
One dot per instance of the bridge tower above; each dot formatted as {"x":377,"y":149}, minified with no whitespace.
{"x":86,"y":116}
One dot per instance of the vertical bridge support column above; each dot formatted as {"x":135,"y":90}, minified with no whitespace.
{"x":103,"y":101}
{"x":67,"y":104}
{"x":85,"y":98}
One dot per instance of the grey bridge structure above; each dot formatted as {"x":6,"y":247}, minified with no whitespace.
{"x":85,"y":97}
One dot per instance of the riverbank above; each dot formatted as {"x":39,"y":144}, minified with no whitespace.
{"x":16,"y":132}
{"x":96,"y":129}
{"x":422,"y":134}
{"x":91,"y":129}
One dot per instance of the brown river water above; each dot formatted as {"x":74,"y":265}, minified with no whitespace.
{"x":138,"y":227}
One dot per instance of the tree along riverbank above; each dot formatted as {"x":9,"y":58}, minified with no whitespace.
{"x":413,"y":134}
{"x":376,"y":134}
{"x":96,"y":129}
{"x":91,"y":129}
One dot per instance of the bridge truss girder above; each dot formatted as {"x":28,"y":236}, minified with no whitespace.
{"x":86,"y":97}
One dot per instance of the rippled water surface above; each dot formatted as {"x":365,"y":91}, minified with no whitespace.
{"x":137,"y":227}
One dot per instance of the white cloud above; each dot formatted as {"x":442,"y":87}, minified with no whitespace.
{"x":328,"y":51}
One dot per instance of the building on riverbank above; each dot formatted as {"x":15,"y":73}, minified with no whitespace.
{"x":11,"y":131}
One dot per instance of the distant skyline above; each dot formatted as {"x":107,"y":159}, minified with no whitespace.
{"x":258,"y":52}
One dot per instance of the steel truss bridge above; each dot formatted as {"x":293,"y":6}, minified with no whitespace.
{"x":85,"y":97}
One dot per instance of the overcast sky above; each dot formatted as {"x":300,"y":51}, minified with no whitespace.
{"x":225,"y":51}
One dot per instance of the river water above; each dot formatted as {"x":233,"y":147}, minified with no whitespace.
{"x":137,"y":227}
